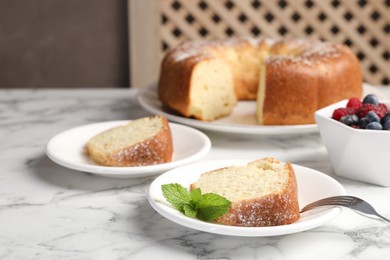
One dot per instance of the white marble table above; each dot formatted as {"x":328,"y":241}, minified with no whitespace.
{"x":51,"y":212}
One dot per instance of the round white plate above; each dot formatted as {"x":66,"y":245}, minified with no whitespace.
{"x":312,"y":185}
{"x":68,"y":149}
{"x":242,"y":120}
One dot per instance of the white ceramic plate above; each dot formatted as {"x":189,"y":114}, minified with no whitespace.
{"x":68,"y":149}
{"x":312,"y":185}
{"x":242,"y":120}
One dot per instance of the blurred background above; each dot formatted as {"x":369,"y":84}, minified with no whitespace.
{"x":119,"y":43}
{"x":63,"y":43}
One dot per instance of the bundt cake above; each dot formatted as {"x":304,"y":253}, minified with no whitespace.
{"x":290,"y":79}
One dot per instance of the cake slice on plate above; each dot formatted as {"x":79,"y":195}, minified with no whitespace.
{"x":145,"y":141}
{"x":263,"y":193}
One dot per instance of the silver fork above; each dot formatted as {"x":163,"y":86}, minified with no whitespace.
{"x":346,"y":201}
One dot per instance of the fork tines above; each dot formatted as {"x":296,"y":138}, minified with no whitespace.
{"x":336,"y":200}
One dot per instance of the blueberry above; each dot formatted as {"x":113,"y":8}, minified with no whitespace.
{"x":386,"y":125}
{"x":374,"y":126}
{"x":372,"y":117}
{"x":371,"y":99}
{"x":385,"y":118}
{"x":349,"y":119}
{"x":363,"y":122}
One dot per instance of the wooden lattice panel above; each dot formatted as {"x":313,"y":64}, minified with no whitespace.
{"x":363,"y":25}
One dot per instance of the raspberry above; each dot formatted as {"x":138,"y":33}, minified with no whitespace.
{"x":383,"y":106}
{"x":354,"y":103}
{"x":365,"y":108}
{"x":340,"y":112}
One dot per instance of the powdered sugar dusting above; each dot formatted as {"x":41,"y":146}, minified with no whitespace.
{"x":262,"y":212}
{"x":201,"y":48}
{"x":310,"y":53}
{"x":303,"y":51}
{"x":188,"y":49}
{"x":149,"y":152}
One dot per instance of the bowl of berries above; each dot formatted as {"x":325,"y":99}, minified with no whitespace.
{"x":356,"y":134}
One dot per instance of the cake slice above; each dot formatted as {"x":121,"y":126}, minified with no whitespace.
{"x":141,"y":142}
{"x":263,"y":193}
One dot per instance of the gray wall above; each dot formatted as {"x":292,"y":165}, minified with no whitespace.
{"x":63,"y":44}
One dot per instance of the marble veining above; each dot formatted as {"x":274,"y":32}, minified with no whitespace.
{"x":51,"y":212}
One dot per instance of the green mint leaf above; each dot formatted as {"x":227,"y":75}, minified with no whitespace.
{"x":212,"y":206}
{"x":189,"y":211}
{"x":206,"y":207}
{"x":196,"y":196}
{"x":177,"y":195}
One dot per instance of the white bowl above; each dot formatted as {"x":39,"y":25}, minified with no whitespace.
{"x":356,"y":154}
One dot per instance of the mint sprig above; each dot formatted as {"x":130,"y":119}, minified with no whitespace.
{"x":194,"y":204}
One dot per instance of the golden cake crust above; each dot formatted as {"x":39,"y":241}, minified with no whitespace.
{"x":318,"y":75}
